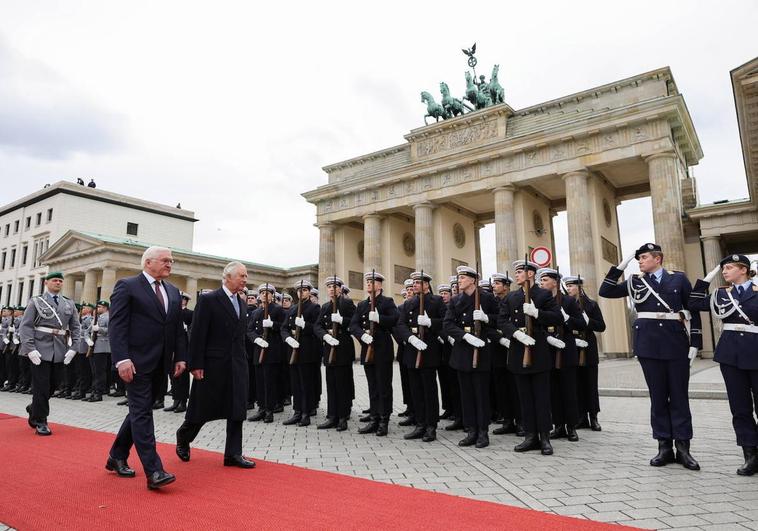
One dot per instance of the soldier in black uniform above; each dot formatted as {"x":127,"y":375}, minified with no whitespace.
{"x":252,"y":305}
{"x":447,"y":390}
{"x":422,"y":354}
{"x":533,"y":381}
{"x":285,"y":377}
{"x":586,"y":374}
{"x":307,"y":357}
{"x":180,"y":386}
{"x":405,"y":386}
{"x":474,"y":381}
{"x":379,"y":369}
{"x":565,"y":407}
{"x":268,"y":345}
{"x":339,"y":392}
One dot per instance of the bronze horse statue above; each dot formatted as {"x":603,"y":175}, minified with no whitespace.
{"x":433,"y":109}
{"x":497,"y":93}
{"x":453,"y":106}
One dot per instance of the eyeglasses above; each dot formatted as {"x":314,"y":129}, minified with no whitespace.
{"x":164,"y":260}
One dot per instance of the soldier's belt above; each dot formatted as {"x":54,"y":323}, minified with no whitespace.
{"x":467,"y":329}
{"x":550,"y":329}
{"x":54,"y":331}
{"x":665,"y":316}
{"x":577,"y":333}
{"x":734,"y":327}
{"x":414,"y":330}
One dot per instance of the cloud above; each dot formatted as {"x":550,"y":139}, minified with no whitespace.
{"x":43,"y":115}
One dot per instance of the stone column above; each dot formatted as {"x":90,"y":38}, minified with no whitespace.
{"x":109,"y":281}
{"x":712,"y":256}
{"x":424,"y":237}
{"x":327,"y":261}
{"x":478,"y":246}
{"x":89,"y":290}
{"x":69,"y":285}
{"x":506,"y":243}
{"x":667,"y":208}
{"x":190,"y":287}
{"x":581,"y":239}
{"x":372,"y":243}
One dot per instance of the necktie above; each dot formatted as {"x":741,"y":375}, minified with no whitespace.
{"x":740,"y":291}
{"x":236,"y":304}
{"x":160,"y":295}
{"x":55,"y":299}
{"x":652,"y":280}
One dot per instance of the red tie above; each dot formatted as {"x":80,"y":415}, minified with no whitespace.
{"x":160,"y":295}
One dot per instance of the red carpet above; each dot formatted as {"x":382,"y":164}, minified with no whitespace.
{"x":60,"y":482}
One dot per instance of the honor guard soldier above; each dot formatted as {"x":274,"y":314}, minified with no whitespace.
{"x":49,"y":328}
{"x":23,"y":363}
{"x":586,"y":343}
{"x":736,"y":306}
{"x":268,"y":352}
{"x":504,"y":381}
{"x":9,"y":373}
{"x":471,"y":355}
{"x":422,"y":353}
{"x":525,"y":324}
{"x":252,"y":305}
{"x":666,"y":337}
{"x":405,"y":386}
{"x":338,"y":354}
{"x":180,"y":386}
{"x":565,"y":408}
{"x":101,"y":352}
{"x":447,"y":377}
{"x":373,"y":328}
{"x":304,"y":354}
{"x":82,"y":361}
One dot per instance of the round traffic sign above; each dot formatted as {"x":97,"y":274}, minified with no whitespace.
{"x":542,"y":256}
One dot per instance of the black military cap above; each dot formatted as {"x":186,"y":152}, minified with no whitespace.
{"x":736,"y":259}
{"x":647,"y":248}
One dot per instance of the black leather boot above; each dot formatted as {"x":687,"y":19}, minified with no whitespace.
{"x":172,"y":407}
{"x":665,"y":453}
{"x":182,"y":407}
{"x":366,"y":418}
{"x":417,"y":433}
{"x":371,"y":427}
{"x":507,"y":427}
{"x":342,"y":425}
{"x":482,"y":439}
{"x":594,"y":424}
{"x":571,"y":434}
{"x":545,"y":446}
{"x":751,"y":461}
{"x":430,"y":434}
{"x":305,"y":420}
{"x":410,"y":420}
{"x":455,"y":426}
{"x":269,"y":418}
{"x":583,"y":424}
{"x":259,"y":415}
{"x":559,"y":432}
{"x":328,"y":424}
{"x":383,"y":429}
{"x":469,"y":439}
{"x":683,"y":456}
{"x":294,"y":419}
{"x":530,"y":442}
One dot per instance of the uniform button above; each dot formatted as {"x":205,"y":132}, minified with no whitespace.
{"x":660,"y":324}
{"x":742,"y":334}
{"x":658,"y":303}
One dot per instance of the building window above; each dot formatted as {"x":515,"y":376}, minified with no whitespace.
{"x":35,"y":254}
{"x":28,"y":222}
{"x":13,"y":258}
{"x":24,"y":253}
{"x":31,"y":287}
{"x":131,"y":228}
{"x":7,"y":229}
{"x":8,"y":290}
{"x":20,"y":299}
{"x":15,"y":226}
{"x":2,"y":260}
{"x":38,"y":219}
{"x":49,"y":215}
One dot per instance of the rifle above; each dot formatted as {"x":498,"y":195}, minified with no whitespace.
{"x":419,"y":355}
{"x":333,"y":350}
{"x":293,"y":357}
{"x":528,"y":322}
{"x":477,"y":324}
{"x":262,"y":355}
{"x":92,"y":336}
{"x":371,"y":327}
{"x":559,"y":329}
{"x":582,"y":334}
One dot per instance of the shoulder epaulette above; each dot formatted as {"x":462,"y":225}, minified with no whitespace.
{"x":755,"y":288}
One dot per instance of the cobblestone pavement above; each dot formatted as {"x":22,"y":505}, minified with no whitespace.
{"x":605,"y":476}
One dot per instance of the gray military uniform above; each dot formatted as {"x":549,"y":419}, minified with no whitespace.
{"x":5,"y":323}
{"x":52,"y":347}
{"x":102,"y":344}
{"x":81,"y":346}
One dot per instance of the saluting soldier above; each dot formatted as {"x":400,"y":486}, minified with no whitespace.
{"x":339,"y":392}
{"x":422,"y":356}
{"x":532,"y":378}
{"x":666,"y":338}
{"x":405,"y":386}
{"x":473,"y":378}
{"x":101,"y":352}
{"x":736,"y":306}
{"x":565,"y":407}
{"x":503,"y":381}
{"x":308,"y":354}
{"x":586,"y":340}
{"x":266,"y":335}
{"x":49,"y":328}
{"x":379,"y":369}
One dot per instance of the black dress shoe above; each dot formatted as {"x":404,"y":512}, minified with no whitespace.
{"x":545,"y":447}
{"x":32,"y":423}
{"x":683,"y":456}
{"x":468,"y":440}
{"x":5,"y":388}
{"x":294,"y":419}
{"x":120,"y":467}
{"x":259,"y":415}
{"x":583,"y":424}
{"x":42,"y":429}
{"x":383,"y":428}
{"x":508,"y":427}
{"x":455,"y":426}
{"x":287,"y":402}
{"x":483,"y":440}
{"x":313,"y":412}
{"x":95,"y":398}
{"x":238,"y":461}
{"x":751,"y":461}
{"x":305,"y":420}
{"x":594,"y":424}
{"x":328,"y":424}
{"x":408,"y":421}
{"x":117,"y":394}
{"x":665,"y":453}
{"x":27,"y":391}
{"x":417,"y":433}
{"x":123,"y":402}
{"x":559,"y":432}
{"x":57,"y":394}
{"x":404,"y":413}
{"x":342,"y":425}
{"x":182,"y":450}
{"x":371,"y":427}
{"x":250,"y":405}
{"x":366,"y":418}
{"x":430,"y":434}
{"x":520,"y":431}
{"x":269,"y":418}
{"x":530,"y":442}
{"x":571,"y":434}
{"x":159,"y":404}
{"x":172,"y":406}
{"x":158,"y":479}
{"x":181,"y":408}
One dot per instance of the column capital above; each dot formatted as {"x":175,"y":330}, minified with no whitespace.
{"x":373,"y":215}
{"x":424,"y":204}
{"x":710,"y":238}
{"x":506,"y":188}
{"x":582,"y":172}
{"x":328,"y":225}
{"x":663,"y":154}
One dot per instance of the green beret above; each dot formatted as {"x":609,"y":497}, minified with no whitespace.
{"x":88,"y":305}
{"x":103,"y":302}
{"x":78,"y":306}
{"x":54,"y":274}
{"x":21,"y":308}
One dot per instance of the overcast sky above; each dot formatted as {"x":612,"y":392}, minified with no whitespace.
{"x":232,"y":108}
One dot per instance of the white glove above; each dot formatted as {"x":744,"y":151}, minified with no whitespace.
{"x":586,"y":317}
{"x":710,"y":276}
{"x":95,"y":328}
{"x":625,"y":262}
{"x":557,"y":343}
{"x":417,"y":343}
{"x":267,"y":323}
{"x":291,"y":341}
{"x":11,"y":328}
{"x":367,"y":339}
{"x":6,"y":340}
{"x":565,"y":315}
{"x":505,"y":342}
{"x":424,"y":320}
{"x":451,"y":340}
{"x":531,"y":309}
{"x":479,"y":315}
{"x":69,"y":356}
{"x":35,"y":357}
{"x":261,"y":342}
{"x":692,"y":354}
{"x":373,"y":316}
{"x":337,"y":318}
{"x":331,"y":340}
{"x":15,"y":340}
{"x":89,"y":341}
{"x":581,"y":343}
{"x":473,"y":340}
{"x":523,"y":338}
{"x":300,"y":322}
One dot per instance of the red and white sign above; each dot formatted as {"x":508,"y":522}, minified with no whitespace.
{"x":542,"y":256}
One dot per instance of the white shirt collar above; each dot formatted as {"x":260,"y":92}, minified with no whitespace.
{"x":746,"y":286}
{"x":149,"y":278}
{"x":658,"y":274}
{"x":226,"y":290}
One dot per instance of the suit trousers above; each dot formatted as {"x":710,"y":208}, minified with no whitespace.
{"x":587,"y":391}
{"x":180,"y":387}
{"x":534,"y":395}
{"x":100,"y":372}
{"x":339,"y":391}
{"x":426,"y":404}
{"x":563,"y":396}
{"x":742,"y":390}
{"x":668,"y":382}
{"x":475,"y":399}
{"x":189,"y":430}
{"x":45,"y":379}
{"x":83,"y":373}
{"x":302,"y":387}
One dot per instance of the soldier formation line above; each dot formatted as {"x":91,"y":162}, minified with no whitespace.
{"x":517,"y":352}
